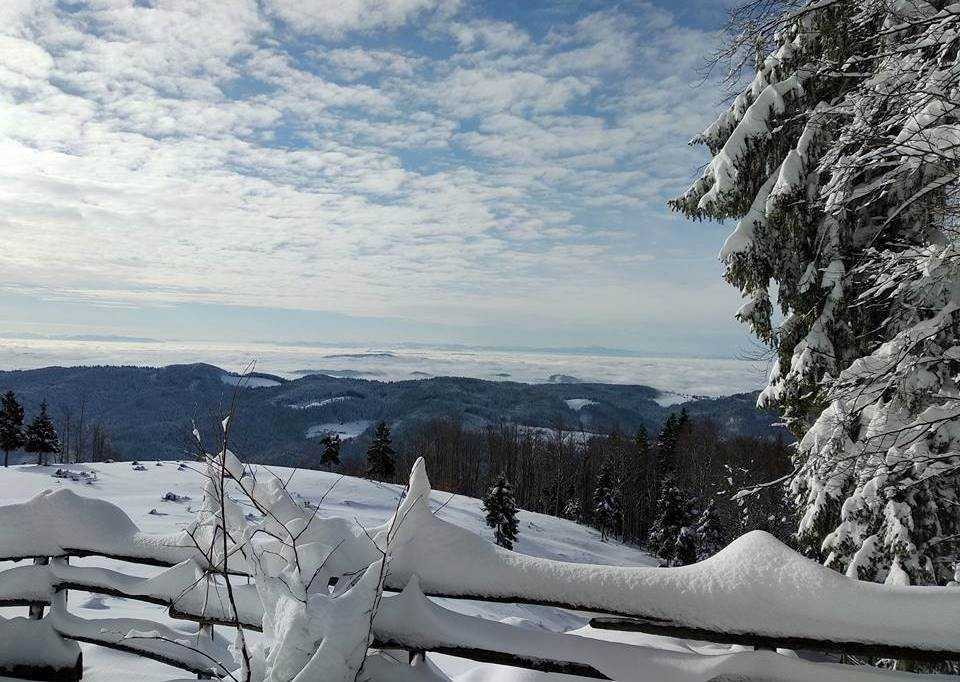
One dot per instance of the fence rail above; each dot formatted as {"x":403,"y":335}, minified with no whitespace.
{"x":432,"y":558}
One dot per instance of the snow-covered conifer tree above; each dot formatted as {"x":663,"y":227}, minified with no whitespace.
{"x":840,"y":161}
{"x":684,"y":548}
{"x":380,"y":456}
{"x":41,"y":437}
{"x":501,"y":509}
{"x":709,"y":532}
{"x":11,"y":425}
{"x":331,"y":451}
{"x":674,"y":511}
{"x":572,"y":510}
{"x":607,"y":503}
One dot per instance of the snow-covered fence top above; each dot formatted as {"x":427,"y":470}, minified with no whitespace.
{"x":756,"y":588}
{"x":756,"y":585}
{"x":58,"y":523}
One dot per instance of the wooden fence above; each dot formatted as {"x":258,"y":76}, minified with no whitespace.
{"x":433,"y":561}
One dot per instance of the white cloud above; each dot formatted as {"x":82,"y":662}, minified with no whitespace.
{"x":184,"y":151}
{"x":354,"y":63}
{"x":471,"y":92}
{"x":335,"y":19}
{"x":489,"y":35}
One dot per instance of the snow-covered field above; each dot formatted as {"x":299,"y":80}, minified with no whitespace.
{"x":140,"y":494}
{"x":756,"y":582}
{"x":345,"y":430}
{"x":687,"y":376}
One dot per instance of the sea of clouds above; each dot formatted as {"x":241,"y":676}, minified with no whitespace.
{"x":688,"y":376}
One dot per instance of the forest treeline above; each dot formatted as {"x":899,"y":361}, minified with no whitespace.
{"x":666,"y":490}
{"x":637,"y":487}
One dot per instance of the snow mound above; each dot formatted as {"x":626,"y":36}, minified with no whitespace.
{"x":32,"y":643}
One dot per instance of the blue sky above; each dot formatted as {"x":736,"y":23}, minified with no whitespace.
{"x":438,"y":171}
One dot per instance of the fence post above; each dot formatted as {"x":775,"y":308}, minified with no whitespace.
{"x":36,"y":611}
{"x":205,"y":630}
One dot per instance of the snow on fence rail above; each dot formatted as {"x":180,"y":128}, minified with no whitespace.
{"x":310,"y":572}
{"x":755,"y":587}
{"x":61,"y":523}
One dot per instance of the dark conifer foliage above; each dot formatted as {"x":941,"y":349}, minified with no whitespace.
{"x":501,"y":509}
{"x":684,"y":548}
{"x":41,"y":437}
{"x":12,"y":436}
{"x":381,"y":464}
{"x":607,"y":504}
{"x":330,"y":456}
{"x":709,"y":532}
{"x":675,"y":512}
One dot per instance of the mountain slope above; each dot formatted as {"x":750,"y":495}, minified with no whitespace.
{"x":149,"y":412}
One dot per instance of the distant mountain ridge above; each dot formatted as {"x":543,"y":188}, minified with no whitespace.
{"x":149,"y":412}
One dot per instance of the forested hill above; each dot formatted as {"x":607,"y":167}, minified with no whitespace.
{"x":147,"y":412}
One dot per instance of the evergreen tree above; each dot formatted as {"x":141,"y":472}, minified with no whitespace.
{"x":668,"y":441}
{"x":684,"y":550}
{"x":667,"y":446}
{"x":709,"y":533}
{"x":607,"y":507}
{"x":837,"y":161}
{"x":637,"y":500}
{"x":674,"y":512}
{"x":501,"y":511}
{"x":331,"y":451}
{"x":12,"y":435}
{"x":381,"y":465}
{"x":572,"y":510}
{"x":41,"y":437}
{"x":641,"y":441}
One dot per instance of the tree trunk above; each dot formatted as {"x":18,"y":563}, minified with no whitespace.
{"x":6,"y":458}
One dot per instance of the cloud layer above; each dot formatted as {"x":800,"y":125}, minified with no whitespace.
{"x":414,"y":158}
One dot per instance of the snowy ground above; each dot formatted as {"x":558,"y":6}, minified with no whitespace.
{"x":345,"y":430}
{"x":139,"y":493}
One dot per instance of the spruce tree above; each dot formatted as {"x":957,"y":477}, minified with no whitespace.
{"x":380,"y":456}
{"x":709,"y":532}
{"x":684,"y":551}
{"x":839,"y":161}
{"x":41,"y":437}
{"x":668,"y":441}
{"x":501,"y":509}
{"x":331,"y":451}
{"x":636,"y":501}
{"x":607,"y":507}
{"x":667,"y":446}
{"x":674,"y":512}
{"x":12,"y":435}
{"x":641,"y":441}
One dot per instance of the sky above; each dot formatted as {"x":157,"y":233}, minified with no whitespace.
{"x":433,"y":171}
